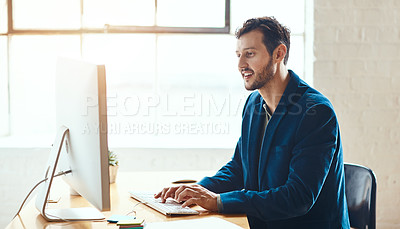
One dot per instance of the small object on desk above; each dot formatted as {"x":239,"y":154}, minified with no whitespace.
{"x":130,"y":222}
{"x":116,"y":218}
{"x":132,"y":226}
{"x":135,"y":223}
{"x":184,"y":181}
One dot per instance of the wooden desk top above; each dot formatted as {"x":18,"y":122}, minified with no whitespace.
{"x":121,"y":202}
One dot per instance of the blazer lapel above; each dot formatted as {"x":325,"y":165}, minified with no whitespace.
{"x":253,"y":147}
{"x":273,"y":124}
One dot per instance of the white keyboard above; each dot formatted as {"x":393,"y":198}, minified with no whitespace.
{"x":170,"y":207}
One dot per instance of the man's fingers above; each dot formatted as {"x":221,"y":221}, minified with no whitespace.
{"x":170,"y":192}
{"x":190,"y":202}
{"x":163,"y":195}
{"x":179,"y":190}
{"x":187,"y":192}
{"x":190,"y":194}
{"x":157,"y":195}
{"x":166,"y":192}
{"x":174,"y":192}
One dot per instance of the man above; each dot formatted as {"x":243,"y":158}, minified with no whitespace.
{"x":287,"y":170}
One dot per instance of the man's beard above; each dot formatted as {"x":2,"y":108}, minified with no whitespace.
{"x":262,"y":78}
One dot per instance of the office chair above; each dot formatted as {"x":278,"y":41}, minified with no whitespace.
{"x":361,"y":196}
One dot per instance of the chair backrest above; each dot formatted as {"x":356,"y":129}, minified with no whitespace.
{"x":361,"y":195}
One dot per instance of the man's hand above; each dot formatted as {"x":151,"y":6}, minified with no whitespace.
{"x":190,"y":194}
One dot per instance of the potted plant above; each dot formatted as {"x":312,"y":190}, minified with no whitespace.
{"x":113,"y":166}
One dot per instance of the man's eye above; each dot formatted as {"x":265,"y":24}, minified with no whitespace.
{"x":250,"y":54}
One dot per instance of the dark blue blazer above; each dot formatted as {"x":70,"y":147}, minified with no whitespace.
{"x":294,"y":176}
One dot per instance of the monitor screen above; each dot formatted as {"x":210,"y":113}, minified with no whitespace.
{"x":81,"y":109}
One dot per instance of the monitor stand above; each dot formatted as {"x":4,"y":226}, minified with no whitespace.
{"x":68,"y":214}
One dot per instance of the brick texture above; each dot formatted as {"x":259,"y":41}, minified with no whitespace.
{"x":357,"y":56}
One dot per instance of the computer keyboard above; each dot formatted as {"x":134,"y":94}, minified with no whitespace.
{"x":170,"y":207}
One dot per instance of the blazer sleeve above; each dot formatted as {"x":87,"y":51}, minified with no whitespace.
{"x":314,"y":148}
{"x":229,"y":177}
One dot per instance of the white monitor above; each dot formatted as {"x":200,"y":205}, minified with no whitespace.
{"x":81,"y":143}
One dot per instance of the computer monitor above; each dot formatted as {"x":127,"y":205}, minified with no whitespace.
{"x":81,"y":142}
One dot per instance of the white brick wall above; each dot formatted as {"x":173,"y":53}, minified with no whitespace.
{"x":357,"y":61}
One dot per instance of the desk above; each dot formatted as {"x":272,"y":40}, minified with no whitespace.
{"x":121,"y":202}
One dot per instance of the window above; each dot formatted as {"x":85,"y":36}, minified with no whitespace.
{"x":4,"y":118}
{"x":171,"y":70}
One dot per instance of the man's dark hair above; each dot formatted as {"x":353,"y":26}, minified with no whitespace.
{"x":274,"y":33}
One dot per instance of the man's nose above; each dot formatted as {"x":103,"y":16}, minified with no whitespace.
{"x":242,"y":63}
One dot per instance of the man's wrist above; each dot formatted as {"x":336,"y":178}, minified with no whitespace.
{"x":220,"y":206}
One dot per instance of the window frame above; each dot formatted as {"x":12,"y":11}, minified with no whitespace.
{"x":118,"y":29}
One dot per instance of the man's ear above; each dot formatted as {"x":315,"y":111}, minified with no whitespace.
{"x":280,"y":53}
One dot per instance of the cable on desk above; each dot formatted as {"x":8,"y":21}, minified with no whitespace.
{"x":133,"y":208}
{"x":30,"y":192}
